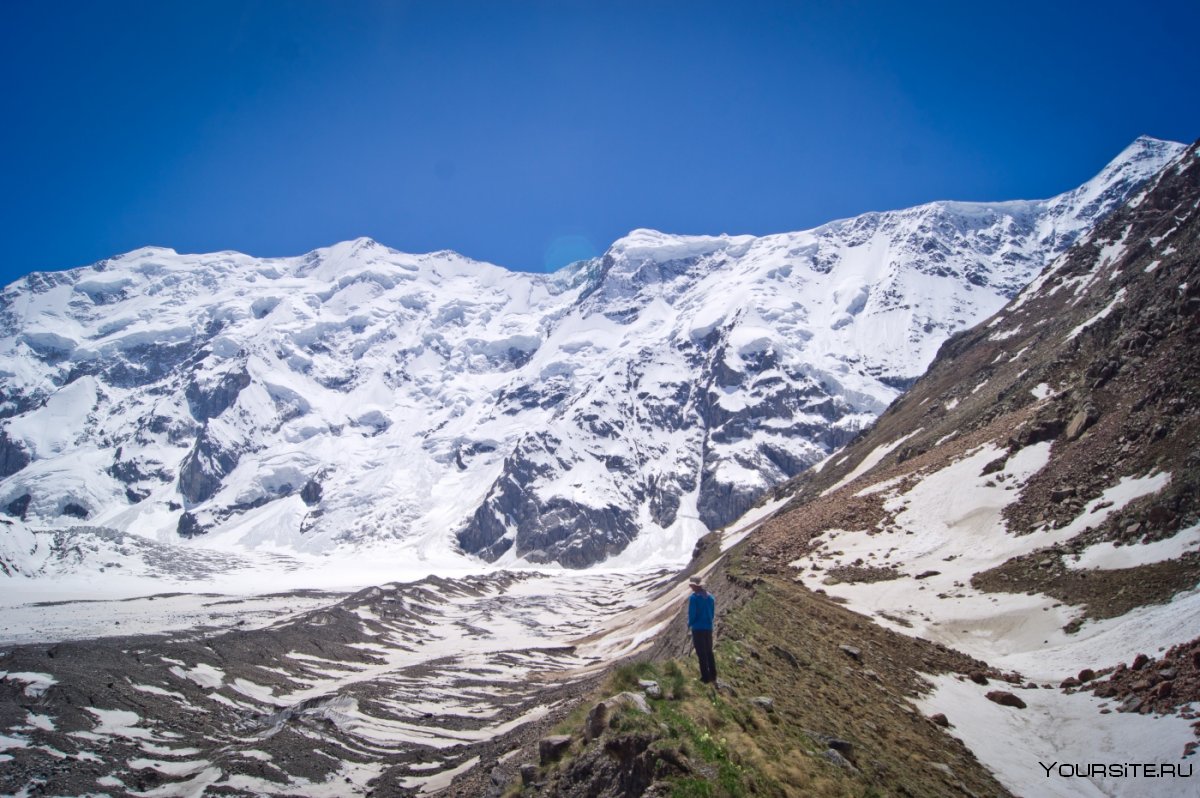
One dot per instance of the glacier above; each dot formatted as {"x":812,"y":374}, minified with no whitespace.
{"x":360,"y":402}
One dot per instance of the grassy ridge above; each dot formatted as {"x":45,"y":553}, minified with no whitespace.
{"x":813,"y":701}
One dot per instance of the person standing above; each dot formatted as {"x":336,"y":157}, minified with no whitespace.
{"x":702,"y":608}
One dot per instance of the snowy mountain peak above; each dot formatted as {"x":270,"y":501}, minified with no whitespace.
{"x":1148,"y":147}
{"x":618,"y":408}
{"x":652,"y":245}
{"x":1133,"y":161}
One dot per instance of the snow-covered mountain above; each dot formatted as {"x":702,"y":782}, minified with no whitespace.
{"x":620,"y":407}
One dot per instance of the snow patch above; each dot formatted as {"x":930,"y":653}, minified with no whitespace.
{"x":36,"y":684}
{"x":1056,"y":728}
{"x":1109,"y":556}
{"x":872,"y":459}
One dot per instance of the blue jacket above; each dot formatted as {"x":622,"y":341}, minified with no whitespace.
{"x":701,"y":609}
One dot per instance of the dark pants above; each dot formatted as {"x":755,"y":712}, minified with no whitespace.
{"x":702,"y":640}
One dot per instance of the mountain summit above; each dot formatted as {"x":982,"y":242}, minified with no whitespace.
{"x":619,"y":408}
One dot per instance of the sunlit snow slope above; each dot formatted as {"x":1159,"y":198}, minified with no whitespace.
{"x":619,"y":407}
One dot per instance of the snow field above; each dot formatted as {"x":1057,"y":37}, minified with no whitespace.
{"x":1059,"y":728}
{"x":950,"y":522}
{"x":948,"y":527}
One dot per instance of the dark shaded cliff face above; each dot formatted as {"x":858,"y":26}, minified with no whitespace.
{"x":652,"y":394}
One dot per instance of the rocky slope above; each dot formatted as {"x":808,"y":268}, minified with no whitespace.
{"x":359,"y":394}
{"x":1031,"y":501}
{"x":391,"y":691}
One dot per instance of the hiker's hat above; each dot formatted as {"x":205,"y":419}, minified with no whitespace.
{"x":696,"y":581}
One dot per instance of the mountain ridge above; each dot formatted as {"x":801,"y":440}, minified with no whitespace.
{"x":246,"y":402}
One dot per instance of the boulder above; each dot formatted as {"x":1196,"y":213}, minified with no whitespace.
{"x":837,"y":759}
{"x":627,"y":699}
{"x":650,"y":688}
{"x":596,"y":722}
{"x":1079,"y":422}
{"x":552,"y":747}
{"x":785,"y":655}
{"x":1006,"y":699}
{"x":843,"y":747}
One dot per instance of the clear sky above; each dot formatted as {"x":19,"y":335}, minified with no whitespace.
{"x":530,"y":134}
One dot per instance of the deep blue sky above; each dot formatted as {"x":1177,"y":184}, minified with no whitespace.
{"x":528,"y":134}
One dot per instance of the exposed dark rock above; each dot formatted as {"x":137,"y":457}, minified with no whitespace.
{"x":1045,"y":429}
{"x":145,"y":364}
{"x":843,"y":747}
{"x":835,"y":757}
{"x":133,"y":471}
{"x":722,"y":502}
{"x":75,"y":510}
{"x":189,"y":526}
{"x":624,"y":766}
{"x":664,"y":500}
{"x":19,"y":506}
{"x":311,"y":493}
{"x":211,"y":401}
{"x":13,"y":456}
{"x":554,"y":530}
{"x":994,"y":466}
{"x":204,"y":467}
